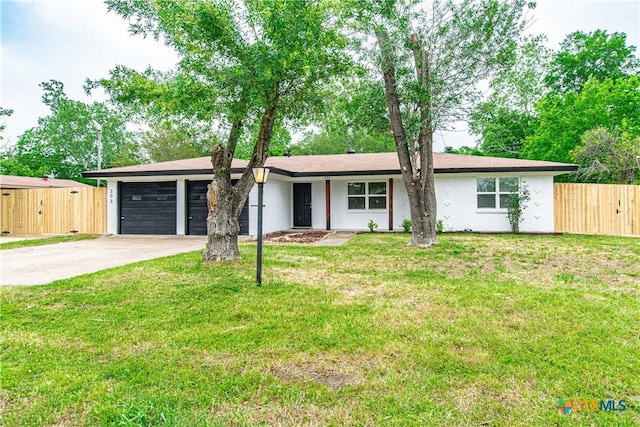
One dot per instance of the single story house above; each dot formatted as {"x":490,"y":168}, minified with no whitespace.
{"x":11,"y":182}
{"x":331,"y":192}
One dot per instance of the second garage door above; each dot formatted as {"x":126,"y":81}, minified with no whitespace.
{"x":148,"y":207}
{"x":197,"y":210}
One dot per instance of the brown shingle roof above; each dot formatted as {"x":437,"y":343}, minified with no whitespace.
{"x":346,"y":164}
{"x":198,"y":164}
{"x":342,"y":165}
{"x":10,"y":181}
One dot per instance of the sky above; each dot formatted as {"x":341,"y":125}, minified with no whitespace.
{"x":72,"y":40}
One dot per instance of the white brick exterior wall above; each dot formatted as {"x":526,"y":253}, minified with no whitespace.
{"x":456,"y":196}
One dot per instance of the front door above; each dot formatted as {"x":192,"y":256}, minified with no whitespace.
{"x":302,"y":205}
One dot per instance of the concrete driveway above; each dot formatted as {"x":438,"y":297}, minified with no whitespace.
{"x":43,"y":264}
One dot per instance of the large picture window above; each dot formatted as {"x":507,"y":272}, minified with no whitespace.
{"x":367,"y":195}
{"x":493,"y":193}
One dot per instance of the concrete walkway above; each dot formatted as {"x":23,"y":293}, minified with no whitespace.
{"x":43,"y":264}
{"x":335,"y":239}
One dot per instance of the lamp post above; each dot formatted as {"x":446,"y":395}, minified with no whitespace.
{"x":97,"y":127}
{"x":260,"y":175}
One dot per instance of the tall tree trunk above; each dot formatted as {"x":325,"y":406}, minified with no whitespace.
{"x":222,"y":222}
{"x":225,"y":200}
{"x":426,"y":234}
{"x":424,"y":200}
{"x":416,"y":166}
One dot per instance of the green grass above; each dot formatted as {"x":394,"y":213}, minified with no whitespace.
{"x":477,"y":330}
{"x":46,"y":241}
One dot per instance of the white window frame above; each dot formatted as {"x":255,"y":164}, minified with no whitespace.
{"x":497,"y":193}
{"x":367,"y":196}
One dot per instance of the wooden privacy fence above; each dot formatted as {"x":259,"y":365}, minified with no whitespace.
{"x":53,"y":211}
{"x":597,"y":209}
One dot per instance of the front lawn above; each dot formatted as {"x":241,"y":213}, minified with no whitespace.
{"x":478,"y":330}
{"x":46,"y":241}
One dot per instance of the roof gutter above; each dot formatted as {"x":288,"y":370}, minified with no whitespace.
{"x":107,"y":174}
{"x":283,"y":172}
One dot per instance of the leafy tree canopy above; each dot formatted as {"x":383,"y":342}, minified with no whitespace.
{"x":597,"y":55}
{"x":507,"y":117}
{"x":541,"y":106}
{"x":502,"y":130}
{"x":470,"y":151}
{"x":607,"y":156}
{"x":4,"y":112}
{"x":238,"y":59}
{"x":9,"y":165}
{"x":246,"y":68}
{"x":563,"y":119}
{"x":280,"y":143}
{"x":353,"y":118}
{"x":167,"y":141}
{"x":65,"y":142}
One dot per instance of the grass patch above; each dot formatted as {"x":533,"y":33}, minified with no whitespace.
{"x":477,"y":330}
{"x":46,"y":241}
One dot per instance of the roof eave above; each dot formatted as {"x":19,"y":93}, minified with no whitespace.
{"x":508,"y":169}
{"x":511,"y":169}
{"x":123,"y":174}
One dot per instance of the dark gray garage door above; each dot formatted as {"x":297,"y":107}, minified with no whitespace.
{"x":148,"y":207}
{"x":197,"y":209}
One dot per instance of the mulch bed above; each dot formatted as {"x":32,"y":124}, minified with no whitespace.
{"x":295,"y":237}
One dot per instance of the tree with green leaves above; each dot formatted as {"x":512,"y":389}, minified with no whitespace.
{"x":353,"y":118}
{"x":609,"y":157}
{"x":432,"y":58}
{"x":597,"y":55}
{"x":563,"y":119}
{"x":502,"y":131}
{"x":4,"y":113}
{"x":507,"y":117}
{"x":593,"y":82}
{"x":245,"y":66}
{"x":10,"y":165}
{"x":64,"y":143}
{"x":167,"y":141}
{"x":280,"y":142}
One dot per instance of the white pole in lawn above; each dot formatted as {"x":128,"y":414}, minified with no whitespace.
{"x":97,"y":127}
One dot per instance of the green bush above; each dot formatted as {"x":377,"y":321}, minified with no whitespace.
{"x":516,"y":204}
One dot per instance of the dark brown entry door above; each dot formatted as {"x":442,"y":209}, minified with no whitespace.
{"x":302,"y":205}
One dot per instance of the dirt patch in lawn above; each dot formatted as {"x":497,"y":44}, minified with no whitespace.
{"x":334,"y":373}
{"x":302,"y":237}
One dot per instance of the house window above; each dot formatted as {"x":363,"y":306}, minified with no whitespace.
{"x":494,"y":192}
{"x":367,"y":195}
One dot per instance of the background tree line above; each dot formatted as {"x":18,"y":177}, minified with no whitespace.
{"x":580,"y":104}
